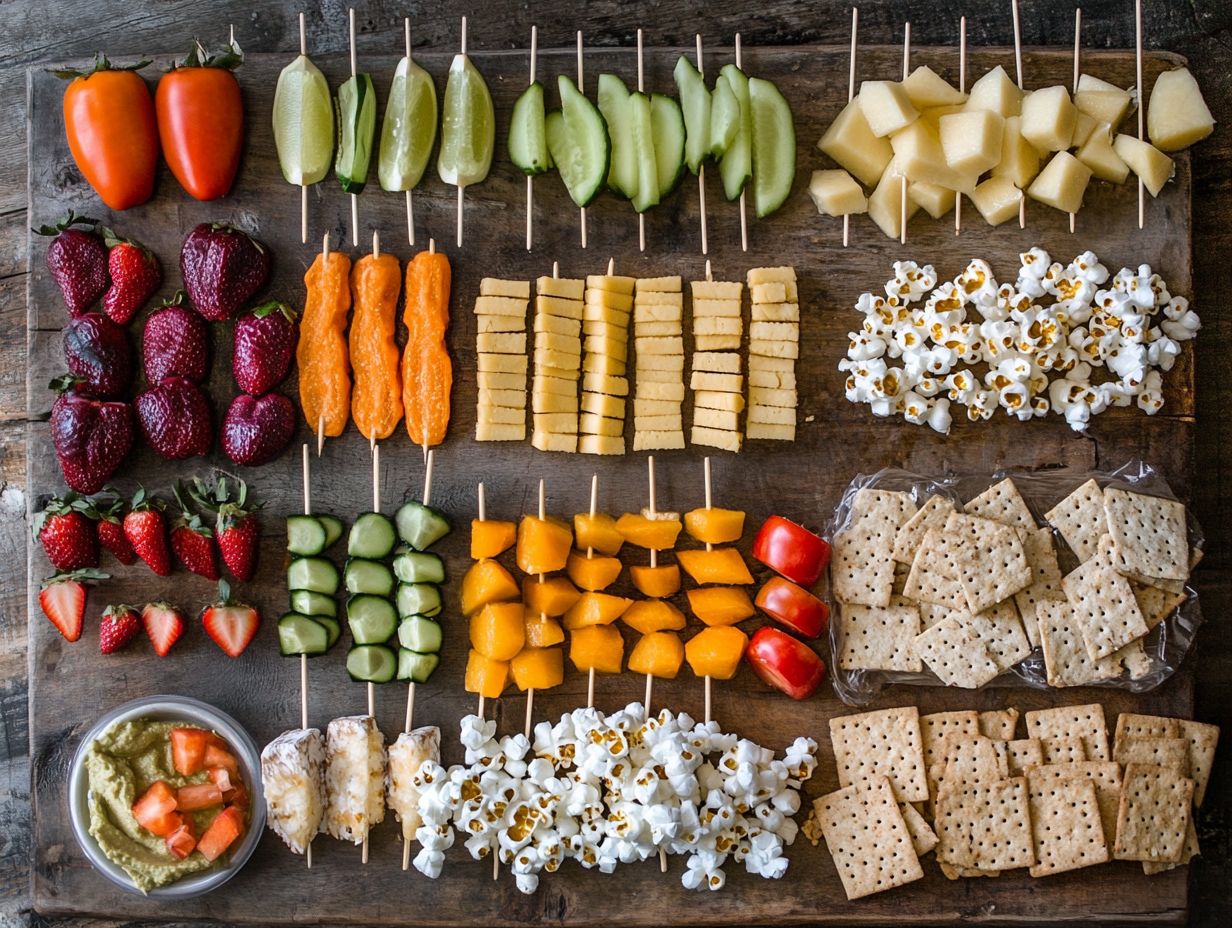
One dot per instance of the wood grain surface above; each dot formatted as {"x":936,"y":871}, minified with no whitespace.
{"x":839,"y":442}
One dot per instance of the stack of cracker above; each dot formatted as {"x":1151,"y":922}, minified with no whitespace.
{"x":658,"y":342}
{"x":716,"y":379}
{"x":774,"y":346}
{"x":500,"y":343}
{"x":961,"y":783}
{"x":605,"y":324}
{"x":558,"y":363}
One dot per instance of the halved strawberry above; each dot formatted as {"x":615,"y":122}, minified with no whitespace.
{"x":231,"y":625}
{"x":226,"y":827}
{"x":197,"y":796}
{"x":164,"y":624}
{"x":188,"y":746}
{"x":63,"y":600}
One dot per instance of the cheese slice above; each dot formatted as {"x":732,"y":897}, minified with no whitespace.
{"x":657,"y":313}
{"x":570,"y":374}
{"x":499,"y":306}
{"x":570,"y":344}
{"x":613,"y":385}
{"x":650,"y":375}
{"x":557,"y":385}
{"x":643,"y":406}
{"x":770,"y":292}
{"x":772,"y":432}
{"x":658,"y":441}
{"x":501,"y":342}
{"x":774,"y":349}
{"x":490,"y":431}
{"x":618,"y":302}
{"x":721,"y":362}
{"x":603,"y":405}
{"x":603,"y":364}
{"x":611,"y":347}
{"x":555,"y":402}
{"x":556,"y":306}
{"x":762,"y":396}
{"x":512,"y":399}
{"x":593,"y":313}
{"x":499,"y":415}
{"x":767,"y":363}
{"x":568,"y":288}
{"x":717,"y":399}
{"x":601,"y":444}
{"x":490,"y":380}
{"x":717,"y":325}
{"x":660,"y":345}
{"x":503,"y":363}
{"x":717,"y":419}
{"x":591,"y":424}
{"x":774,"y":331}
{"x":494,"y":286}
{"x":716,"y":289}
{"x":772,"y":415}
{"x":766,"y":275}
{"x":557,"y":325}
{"x":716,"y":308}
{"x":775,"y":312}
{"x":775,"y":380}
{"x":553,"y":441}
{"x":724,"y":383}
{"x":717,"y":342}
{"x":605,"y":329}
{"x":715,"y":438}
{"x":644,"y":329}
{"x":611,"y":283}
{"x":653,"y":390}
{"x":660,"y":362}
{"x":500,"y":324}
{"x":668,"y":423}
{"x":551,"y":357}
{"x":559,"y":422}
{"x":659,"y":284}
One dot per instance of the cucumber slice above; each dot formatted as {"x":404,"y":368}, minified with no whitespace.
{"x":736,"y":166}
{"x":578,"y":141}
{"x":333,"y":528}
{"x":724,"y":117}
{"x":298,"y":634}
{"x":774,"y":146}
{"x":313,"y":573}
{"x":695,"y":106}
{"x":408,"y":130}
{"x":416,"y":667}
{"x":372,"y":619}
{"x":420,"y":526}
{"x":641,"y":139}
{"x":419,"y":567}
{"x":308,"y":603}
{"x":419,"y":633}
{"x":613,"y":99}
{"x":668,"y":132}
{"x":305,"y":535}
{"x":371,"y":663}
{"x":332,"y":627}
{"x":371,"y":577}
{"x":418,"y":599}
{"x":372,"y":536}
{"x":356,"y":110}
{"x":528,"y":140}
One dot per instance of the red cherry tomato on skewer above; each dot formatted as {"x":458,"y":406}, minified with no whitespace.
{"x":784,"y":662}
{"x":793,"y":607}
{"x":791,"y":550}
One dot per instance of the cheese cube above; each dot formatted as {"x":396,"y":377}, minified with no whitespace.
{"x":550,"y":357}
{"x":499,"y":306}
{"x":564,"y":287}
{"x":1062,"y":183}
{"x":772,"y":432}
{"x":719,"y":362}
{"x":647,"y":375}
{"x":592,"y":313}
{"x":1084,"y":125}
{"x":920,"y":156}
{"x":1099,"y":155}
{"x":662,"y":391}
{"x":933,"y":115}
{"x":558,"y":385}
{"x":610,"y":384}
{"x":569,"y":374}
{"x":590,"y":424}
{"x":658,"y":441}
{"x":516,"y":289}
{"x":935,"y":199}
{"x":611,"y":283}
{"x":551,"y":441}
{"x":717,"y":342}
{"x":971,"y":141}
{"x":774,"y":349}
{"x":557,"y":325}
{"x":503,"y":363}
{"x":1146,"y":161}
{"x":997,"y":200}
{"x":771,"y":415}
{"x":558,"y":306}
{"x":1048,"y":119}
{"x":1104,"y":101}
{"x":1019,"y":160}
{"x":926,"y":88}
{"x":776,"y":380}
{"x":617,"y":348}
{"x":886,"y":107}
{"x":836,"y":193}
{"x":715,"y":438}
{"x":668,"y":423}
{"x":657,"y":313}
{"x":716,"y":419}
{"x":763,"y":363}
{"x":664,"y":345}
{"x":763,"y":396}
{"x":603,"y":300}
{"x":716,"y":289}
{"x":1177,"y":116}
{"x":569,"y":344}
{"x":716,"y":308}
{"x":659,"y":362}
{"x":501,"y":342}
{"x":718,"y":325}
{"x":603,"y":364}
{"x":646,"y":407}
{"x":713,"y":399}
{"x":489,"y":380}
{"x":774,"y":331}
{"x":500,"y":324}
{"x":658,"y":298}
{"x":499,"y":415}
{"x":658,"y":284}
{"x":603,"y":405}
{"x":555,"y":402}
{"x":995,"y":91}
{"x":605,"y":330}
{"x":772,"y":291}
{"x":850,"y":141}
{"x":511,"y":399}
{"x":727,"y":383}
{"x":490,"y":431}
{"x":776,"y":312}
{"x":885,"y":202}
{"x":656,"y":329}
{"x":783,"y":274}
{"x":558,"y":422}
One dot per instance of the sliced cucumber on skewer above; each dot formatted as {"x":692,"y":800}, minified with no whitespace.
{"x":695,"y":107}
{"x":421,"y":634}
{"x":372,"y":536}
{"x":316,"y":574}
{"x":416,"y":667}
{"x":724,"y":117}
{"x":528,"y":140}
{"x":333,"y":528}
{"x":372,"y":619}
{"x":418,"y":599}
{"x":305,"y":535}
{"x":299,"y":634}
{"x":313,"y":605}
{"x":419,"y":567}
{"x":331,"y":625}
{"x":367,"y":576}
{"x":356,"y":110}
{"x":613,"y":99}
{"x":774,"y":146}
{"x":736,"y":166}
{"x":578,"y":140}
{"x":641,"y":140}
{"x":668,"y":132}
{"x":420,"y":526}
{"x":371,"y":663}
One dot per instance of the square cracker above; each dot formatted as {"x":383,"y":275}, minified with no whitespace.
{"x":1153,"y":814}
{"x":1202,"y":739}
{"x":880,"y":637}
{"x":1106,"y":775}
{"x":932,"y":577}
{"x":923,"y":838}
{"x":1066,"y":660}
{"x":867,"y":837}
{"x":1080,"y":519}
{"x":931,"y":515}
{"x":1065,"y":826}
{"x":999,"y":724}
{"x":862,"y":570}
{"x":955,"y":655}
{"x":972,"y":759}
{"x":1134,"y":725}
{"x":931,"y":614}
{"x":1024,"y":754}
{"x":935,"y":726}
{"x":1046,"y":579}
{"x":1002,"y":503}
{"x":1104,"y":607}
{"x":1188,"y":853}
{"x":1062,"y":749}
{"x":988,"y":560}
{"x":985,"y":825}
{"x":1149,"y":534}
{"x":1156,"y":604}
{"x":1087,"y":722}
{"x":1172,"y":753}
{"x":882,"y":743}
{"x":1000,"y":630}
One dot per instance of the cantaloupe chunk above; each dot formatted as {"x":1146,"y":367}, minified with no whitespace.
{"x":598,"y":532}
{"x":538,"y":668}
{"x":656,"y":582}
{"x":836,"y":193}
{"x":543,"y":544}
{"x":658,"y":654}
{"x":713,"y":525}
{"x":551,"y":596}
{"x":851,"y":143}
{"x":886,"y":107}
{"x":595,"y":609}
{"x":1048,"y":118}
{"x":996,"y":92}
{"x":653,"y":615}
{"x":593,"y":573}
{"x":926,"y":88}
{"x":720,"y":605}
{"x":486,"y":582}
{"x":997,"y":200}
{"x":1019,"y":160}
{"x":497,"y":630}
{"x":657,"y":534}
{"x":716,"y":651}
{"x":491,"y":537}
{"x":1062,"y":183}
{"x":600,"y":647}
{"x":541,"y":631}
{"x":1145,"y":160}
{"x":1177,"y":116}
{"x":484,"y":676}
{"x":971,"y":141}
{"x":719,"y":565}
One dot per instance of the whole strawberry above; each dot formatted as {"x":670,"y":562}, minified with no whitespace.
{"x":222,"y":269}
{"x":77,"y":259}
{"x":175,"y":419}
{"x":119,"y":626}
{"x":146,"y":531}
{"x":265,"y":341}
{"x":175,"y":343}
{"x":97,"y":350}
{"x":255,"y":431}
{"x":193,"y":542}
{"x":237,"y":528}
{"x":91,"y":439}
{"x":66,"y":532}
{"x":109,"y":513}
{"x":135,"y":277}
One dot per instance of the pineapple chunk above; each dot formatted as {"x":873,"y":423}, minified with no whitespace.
{"x":503,"y":363}
{"x":490,"y":431}
{"x":551,"y":441}
{"x":935,"y":199}
{"x":776,"y":380}
{"x":972,"y":141}
{"x":557,"y":325}
{"x":716,"y":419}
{"x":613,"y":385}
{"x":666,"y":391}
{"x":510,"y":399}
{"x":723,"y":383}
{"x":488,"y":380}
{"x":885,"y":205}
{"x":659,"y":362}
{"x":835,"y":193}
{"x":1019,"y":160}
{"x":772,"y":291}
{"x":609,"y":299}
{"x":1061,"y":183}
{"x":664,"y":345}
{"x":657,"y":313}
{"x":1177,"y":116}
{"x":500,"y":324}
{"x":617,"y":348}
{"x":1145,"y":160}
{"x":558,"y":423}
{"x":603,"y":364}
{"x":546,"y":305}
{"x":778,"y":312}
{"x":591,"y":424}
{"x":996,"y":92}
{"x":658,"y":285}
{"x":724,"y":308}
{"x":926,"y":88}
{"x":997,"y":200}
{"x":554,"y":402}
{"x":501,"y":342}
{"x":1048,"y":118}
{"x":771,"y":415}
{"x":850,"y":141}
{"x":611,"y":284}
{"x":500,"y":415}
{"x":886,"y":107}
{"x":763,"y":363}
{"x":1099,"y":155}
{"x":920,"y":156}
{"x":775,"y":331}
{"x":668,"y":423}
{"x":657,"y":328}
{"x":643,"y":407}
{"x":1102,"y":100}
{"x":764,"y":275}
{"x":766,"y":396}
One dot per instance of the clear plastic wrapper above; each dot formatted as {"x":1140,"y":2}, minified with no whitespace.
{"x":1165,"y":646}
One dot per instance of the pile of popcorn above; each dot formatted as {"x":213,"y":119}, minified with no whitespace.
{"x":606,"y":790}
{"x":1038,"y":341}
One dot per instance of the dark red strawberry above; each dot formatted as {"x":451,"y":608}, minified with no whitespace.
{"x":237,"y":528}
{"x":135,"y":277}
{"x":222,"y":268}
{"x":175,"y":343}
{"x":265,"y":341}
{"x":255,"y":431}
{"x":146,"y":530}
{"x":231,"y":625}
{"x":91,"y":438}
{"x":175,"y":419}
{"x":63,"y":600}
{"x":97,"y":351}
{"x":77,"y":259}
{"x":163,"y":624}
{"x":193,"y":541}
{"x":66,"y":532}
{"x":119,"y":626}
{"x":109,"y":511}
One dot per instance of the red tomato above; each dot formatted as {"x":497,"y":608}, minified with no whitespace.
{"x":791,"y":550}
{"x":794,"y":607}
{"x":787,"y":664}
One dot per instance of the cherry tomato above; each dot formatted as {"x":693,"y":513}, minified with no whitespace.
{"x":784,"y":662}
{"x":791,"y":550}
{"x":793,"y":607}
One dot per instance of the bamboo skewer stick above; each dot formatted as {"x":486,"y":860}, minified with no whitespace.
{"x":581,"y":77}
{"x":590,"y":553}
{"x":902,"y":200}
{"x":709,"y":546}
{"x":530,"y":179}
{"x":851,"y":93}
{"x":1022,"y":203}
{"x":376,"y":507}
{"x":460,"y":187}
{"x":962,"y":87}
{"x":641,"y":217}
{"x":1141,"y":104}
{"x":303,"y":188}
{"x":530,"y":692}
{"x":483,"y":515}
{"x":354,"y":196}
{"x":654,"y":562}
{"x":303,"y":658}
{"x":321,"y":416}
{"x":1074,"y":87}
{"x":701,"y":169}
{"x":744,"y":215}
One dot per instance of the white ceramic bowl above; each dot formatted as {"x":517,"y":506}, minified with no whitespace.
{"x":171,"y":708}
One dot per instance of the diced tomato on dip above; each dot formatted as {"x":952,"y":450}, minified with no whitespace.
{"x":155,"y":803}
{"x":793,"y":607}
{"x":791,"y":550}
{"x":182,"y":841}
{"x":198,"y":796}
{"x":221,"y":833}
{"x":221,"y":757}
{"x":188,"y":749}
{"x":221,"y":777}
{"x":784,"y":662}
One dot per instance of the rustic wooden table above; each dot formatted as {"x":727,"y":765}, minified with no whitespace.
{"x":36,"y":33}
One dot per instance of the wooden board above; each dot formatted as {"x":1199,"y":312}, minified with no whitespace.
{"x":71,"y":685}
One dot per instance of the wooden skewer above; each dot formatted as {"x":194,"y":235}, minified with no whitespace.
{"x":1074,"y":88}
{"x":303,"y":658}
{"x":483,"y":515}
{"x":744,"y":217}
{"x":410,"y":207}
{"x":709,"y":546}
{"x":321,"y":416}
{"x":376,"y":507}
{"x":902,"y":200}
{"x":530,"y":692}
{"x":962,"y":87}
{"x":654,"y":561}
{"x":303,"y":188}
{"x":1022,"y":202}
{"x":460,"y":187}
{"x":1141,"y":104}
{"x":581,"y":89}
{"x":530,"y":180}
{"x":851,"y":93}
{"x":701,"y":170}
{"x":641,"y":217}
{"x":590,"y":552}
{"x":354,"y":196}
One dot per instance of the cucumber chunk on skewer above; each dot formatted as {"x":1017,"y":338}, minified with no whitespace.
{"x":372,"y":536}
{"x":419,"y":567}
{"x":313,"y":573}
{"x":736,"y":166}
{"x":613,"y":99}
{"x":668,"y":132}
{"x":416,"y":667}
{"x":418,"y":599}
{"x":366,"y":576}
{"x":419,"y":633}
{"x":528,"y":140}
{"x":371,"y":663}
{"x":420,"y":526}
{"x":356,"y":110}
{"x":695,"y":107}
{"x":333,"y":528}
{"x":578,"y":141}
{"x":314,"y":605}
{"x":298,"y":634}
{"x":724,"y":118}
{"x":372,"y":619}
{"x":774,"y":146}
{"x":305,"y":535}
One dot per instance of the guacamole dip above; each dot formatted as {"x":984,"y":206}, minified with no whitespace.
{"x":121,"y":764}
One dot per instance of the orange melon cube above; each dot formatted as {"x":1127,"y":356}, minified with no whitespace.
{"x":538,"y":668}
{"x":484,"y":676}
{"x":657,"y":534}
{"x":653,"y":615}
{"x":598,"y":532}
{"x":543,"y":545}
{"x":486,"y":582}
{"x":541,"y":631}
{"x":595,"y":609}
{"x":599,"y":646}
{"x":593,"y":573}
{"x":490,"y":537}
{"x":722,"y":565}
{"x":550,"y":596}
{"x":497,"y":630}
{"x":656,"y":582}
{"x":714,"y":526}
{"x":715,"y":652}
{"x":659,"y":654}
{"x":720,"y":605}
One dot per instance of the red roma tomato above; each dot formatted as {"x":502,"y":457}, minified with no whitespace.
{"x":201,"y":121}
{"x":787,"y":664}
{"x":791,"y":550}
{"x":794,"y":607}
